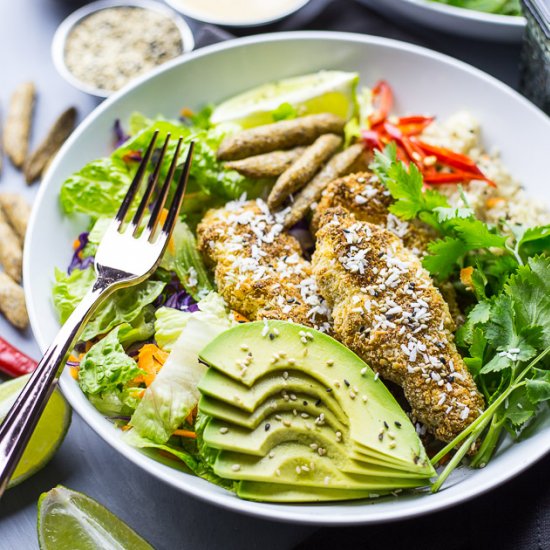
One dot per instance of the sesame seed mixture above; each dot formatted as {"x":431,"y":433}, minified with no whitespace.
{"x":387,"y":310}
{"x":114,"y":45}
{"x":259,"y":269}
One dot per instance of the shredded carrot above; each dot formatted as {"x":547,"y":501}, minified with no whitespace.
{"x":76,"y":243}
{"x":125,"y":427}
{"x":466,"y":276}
{"x":191,"y":416}
{"x":240,"y":318}
{"x":74,"y":359}
{"x":150,"y":360}
{"x":74,"y":372}
{"x":491,"y":202}
{"x":186,"y":112}
{"x":87,"y":346}
{"x":171,"y":244}
{"x":185,"y":433}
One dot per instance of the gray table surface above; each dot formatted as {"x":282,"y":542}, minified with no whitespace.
{"x":167,"y":518}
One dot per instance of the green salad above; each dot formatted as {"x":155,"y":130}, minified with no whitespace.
{"x":501,"y":7}
{"x":247,"y":361}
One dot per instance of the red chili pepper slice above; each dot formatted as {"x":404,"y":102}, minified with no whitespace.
{"x":372,"y":139}
{"x":454,"y":177}
{"x":413,"y":125}
{"x":450,"y":158}
{"x":383,"y":101}
{"x":14,"y":362}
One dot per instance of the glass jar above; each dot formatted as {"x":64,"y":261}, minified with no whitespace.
{"x":535,"y":55}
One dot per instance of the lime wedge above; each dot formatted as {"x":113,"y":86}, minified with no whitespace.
{"x":47,"y":436}
{"x":322,"y":92}
{"x":68,"y":519}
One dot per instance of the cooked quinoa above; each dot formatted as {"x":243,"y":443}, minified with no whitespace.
{"x":462,"y":133}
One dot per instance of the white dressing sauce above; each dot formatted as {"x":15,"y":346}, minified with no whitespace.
{"x":238,"y":11}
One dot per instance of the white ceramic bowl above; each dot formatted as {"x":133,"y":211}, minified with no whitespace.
{"x":67,"y":25}
{"x":424,"y":81}
{"x":445,"y":18}
{"x":235,"y":20}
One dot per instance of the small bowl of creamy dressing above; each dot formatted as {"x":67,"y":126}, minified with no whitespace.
{"x":237,"y":13}
{"x":104,"y":45}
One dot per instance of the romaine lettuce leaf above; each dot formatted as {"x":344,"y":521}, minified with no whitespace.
{"x":183,"y":257}
{"x":168,"y":326}
{"x":124,"y":306}
{"x":173,"y":393}
{"x":106,"y":367}
{"x":95,"y":235}
{"x":68,"y":290}
{"x":97,"y":189}
{"x":193,"y":461}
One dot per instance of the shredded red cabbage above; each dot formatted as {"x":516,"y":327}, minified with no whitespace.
{"x":120,"y":135}
{"x":183,"y":301}
{"x":77,"y":262}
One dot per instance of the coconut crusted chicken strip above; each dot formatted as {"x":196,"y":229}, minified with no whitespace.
{"x":259,"y":270}
{"x":368,"y":199}
{"x":386,"y":309}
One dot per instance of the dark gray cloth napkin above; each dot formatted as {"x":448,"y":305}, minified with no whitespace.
{"x":515,"y":516}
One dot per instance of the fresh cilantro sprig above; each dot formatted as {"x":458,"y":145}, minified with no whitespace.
{"x":506,"y":336}
{"x":492,"y":252}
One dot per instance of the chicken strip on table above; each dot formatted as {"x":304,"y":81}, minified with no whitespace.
{"x":386,"y":309}
{"x":259,"y":270}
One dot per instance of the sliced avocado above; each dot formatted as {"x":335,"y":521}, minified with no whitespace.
{"x":273,"y":492}
{"x":280,"y":426}
{"x":295,"y":464}
{"x":308,"y":404}
{"x":249,"y":399}
{"x":249,"y":352}
{"x":289,"y":428}
{"x":294,"y":416}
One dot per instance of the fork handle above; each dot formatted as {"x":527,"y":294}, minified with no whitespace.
{"x":23,"y":416}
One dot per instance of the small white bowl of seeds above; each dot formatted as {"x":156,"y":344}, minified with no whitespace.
{"x":104,"y":45}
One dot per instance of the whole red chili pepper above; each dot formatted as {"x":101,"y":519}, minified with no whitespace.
{"x":14,"y":362}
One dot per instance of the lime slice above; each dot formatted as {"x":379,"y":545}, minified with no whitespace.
{"x":67,"y":519}
{"x":322,"y":92}
{"x":47,"y":436}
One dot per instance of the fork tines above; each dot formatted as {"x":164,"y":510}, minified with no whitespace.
{"x":159,"y":203}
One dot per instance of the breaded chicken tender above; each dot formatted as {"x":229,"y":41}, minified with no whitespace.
{"x":367,"y":198}
{"x":386,"y":309}
{"x":259,"y":270}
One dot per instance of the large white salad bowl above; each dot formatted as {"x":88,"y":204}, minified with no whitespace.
{"x":423,"y":81}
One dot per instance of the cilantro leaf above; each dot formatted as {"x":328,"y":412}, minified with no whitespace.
{"x":538,"y":388}
{"x":444,"y":255}
{"x":533,"y":240}
{"x":530,"y":288}
{"x":475,"y":233}
{"x":518,"y":410}
{"x":405,"y":185}
{"x":477,"y":351}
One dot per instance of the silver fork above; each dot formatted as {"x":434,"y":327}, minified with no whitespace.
{"x":126,"y":256}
